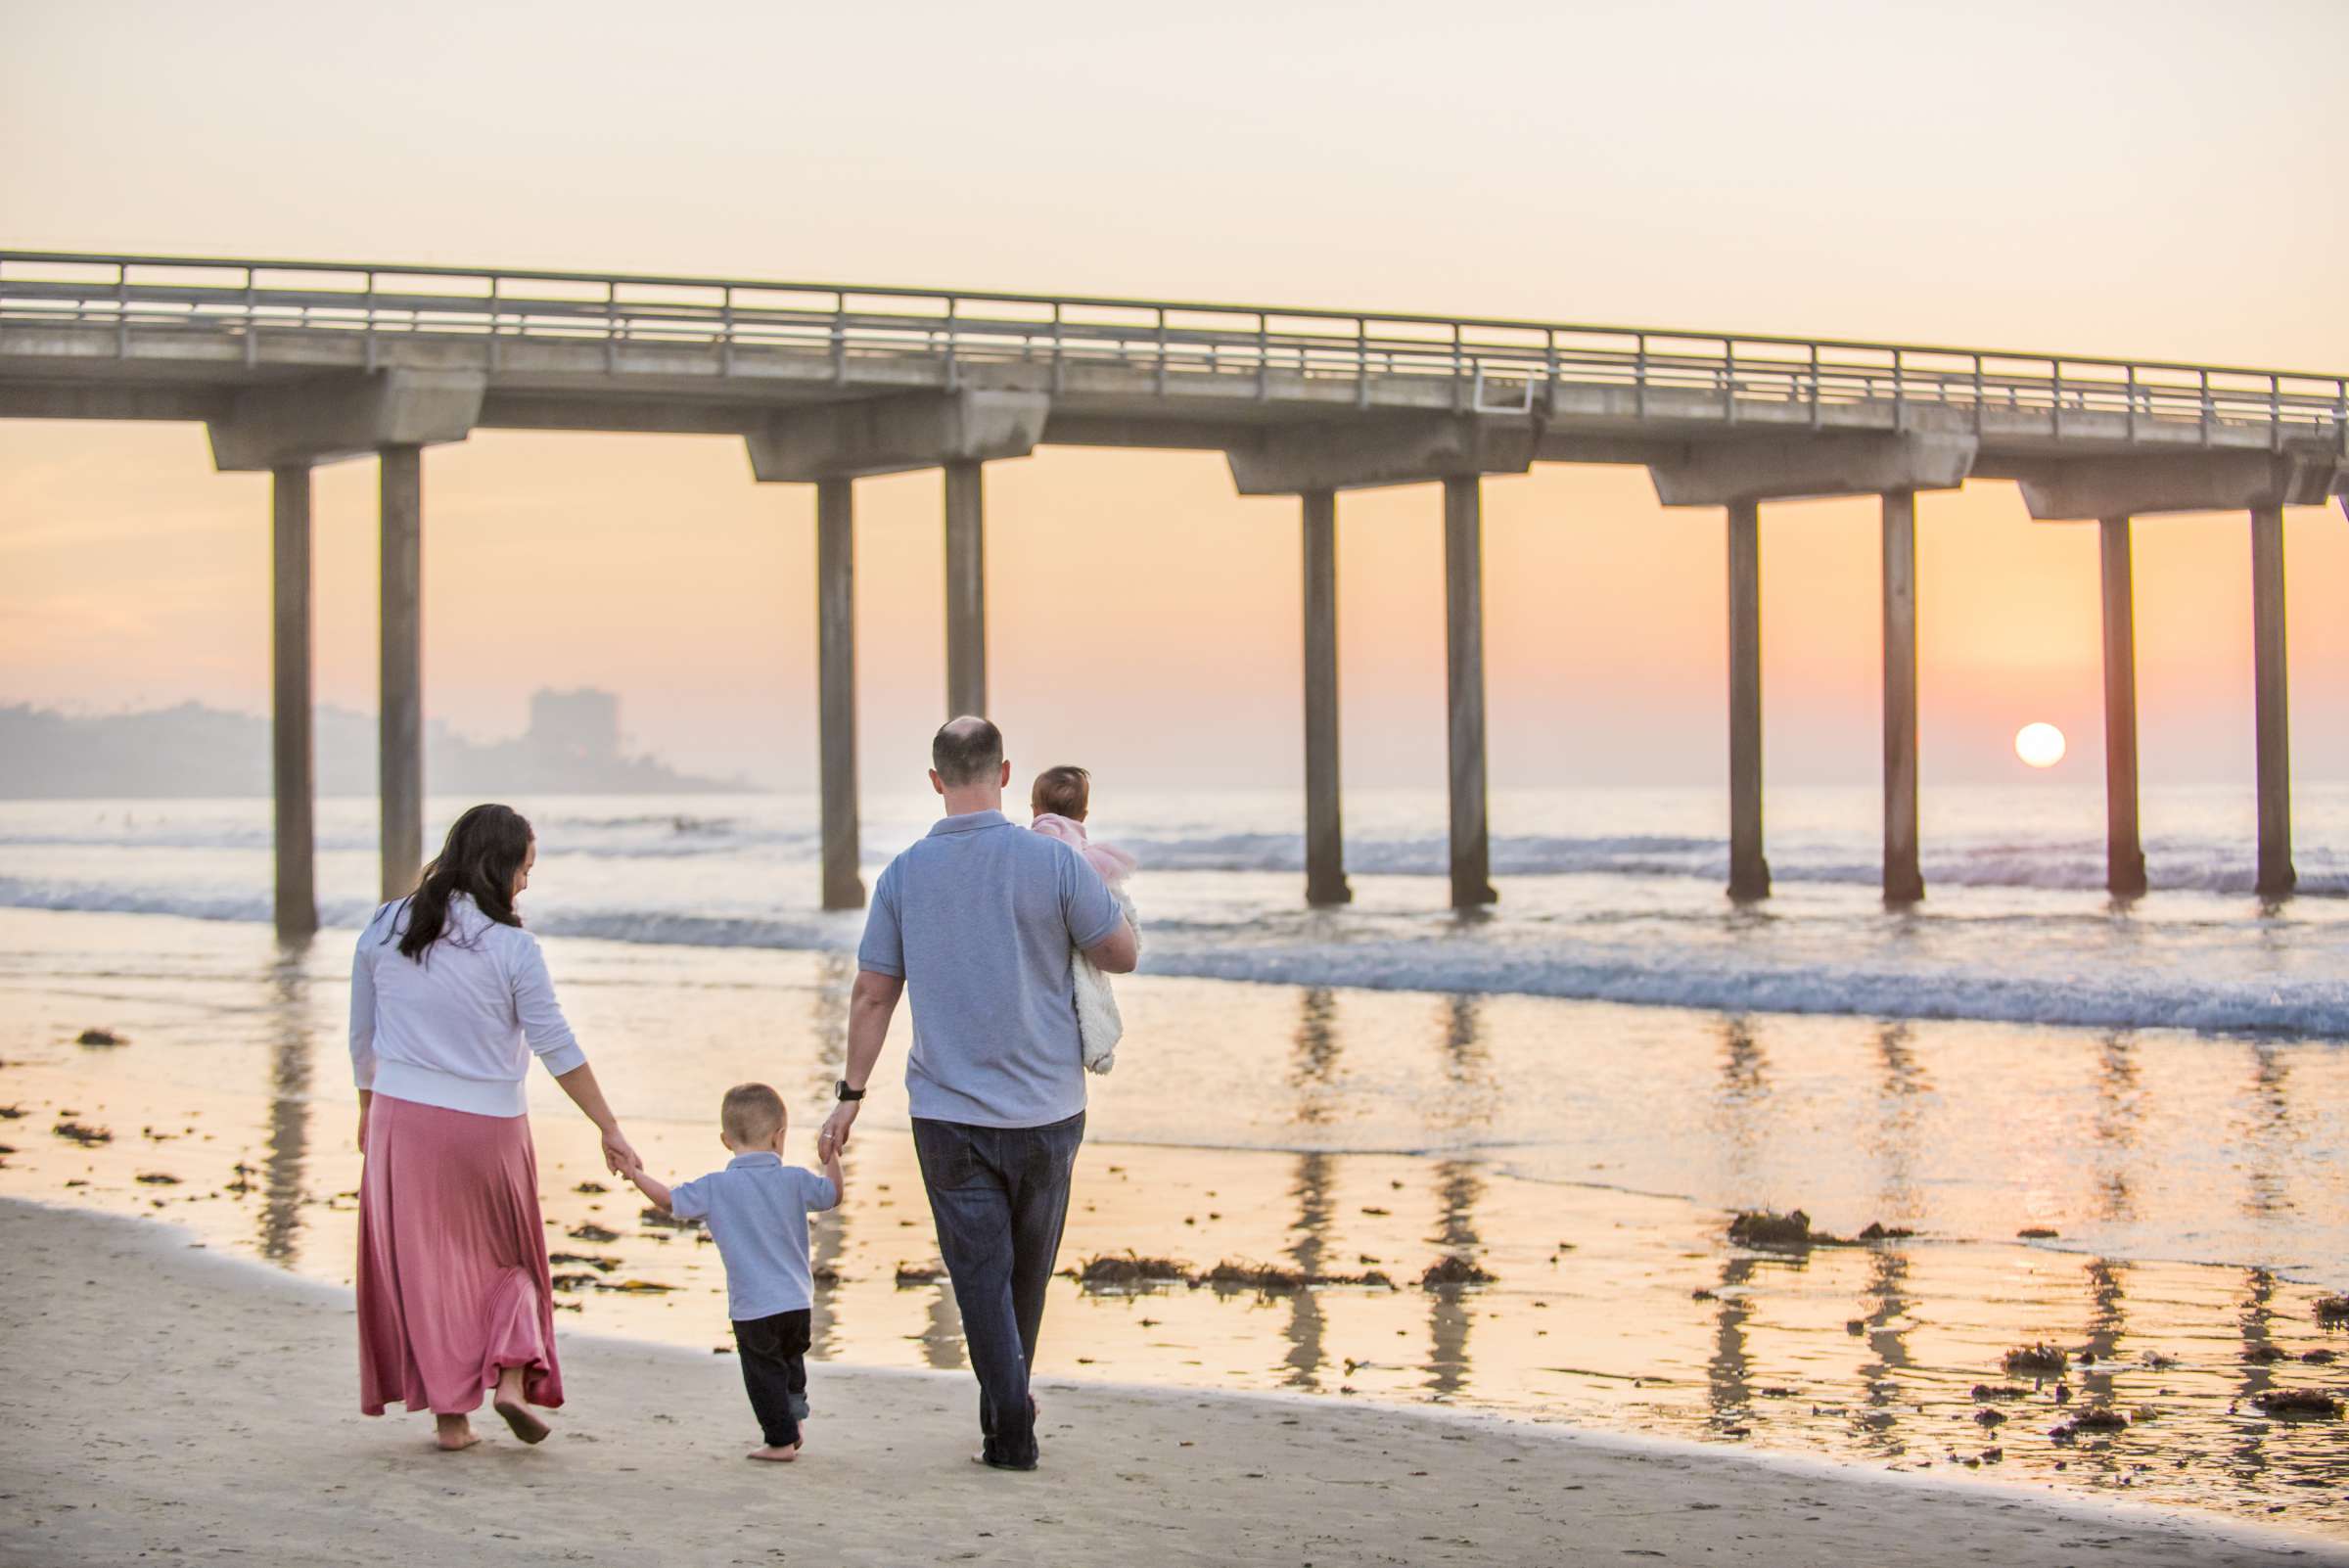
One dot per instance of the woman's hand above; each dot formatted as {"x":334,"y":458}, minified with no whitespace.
{"x":366,"y":1100}
{"x":619,"y":1156}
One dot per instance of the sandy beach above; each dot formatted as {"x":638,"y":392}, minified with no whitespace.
{"x":168,"y":1401}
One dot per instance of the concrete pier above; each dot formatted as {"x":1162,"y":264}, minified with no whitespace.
{"x":399,"y":740}
{"x":2270,"y":707}
{"x":1749,"y":871}
{"x":835,"y":688}
{"x":1465,"y":664}
{"x":293,"y":751}
{"x":2124,"y":851}
{"x":966,"y":588}
{"x":1324,"y":833}
{"x":1904,"y":881}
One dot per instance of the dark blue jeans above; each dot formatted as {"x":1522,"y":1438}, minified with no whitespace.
{"x":999,"y":1196}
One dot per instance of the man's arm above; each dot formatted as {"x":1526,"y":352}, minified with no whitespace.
{"x":1117,"y":953}
{"x":872,"y":1002}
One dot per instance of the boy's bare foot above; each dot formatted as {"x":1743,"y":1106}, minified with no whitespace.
{"x":523,"y":1420}
{"x":453,"y":1432}
{"x":775,"y":1456}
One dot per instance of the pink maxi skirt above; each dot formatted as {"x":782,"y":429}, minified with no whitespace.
{"x":453,"y":1280}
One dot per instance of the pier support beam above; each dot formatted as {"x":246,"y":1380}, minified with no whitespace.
{"x":2270,"y":707}
{"x":1324,"y":834}
{"x":966,"y":588}
{"x":1904,"y":881}
{"x":2124,"y":850}
{"x":1465,"y":664}
{"x":293,"y":751}
{"x":1749,"y":871}
{"x":835,"y":688}
{"x":399,"y":739}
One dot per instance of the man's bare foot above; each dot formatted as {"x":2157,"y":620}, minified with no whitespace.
{"x":453,"y":1432}
{"x":522,"y":1419}
{"x":775,"y":1456}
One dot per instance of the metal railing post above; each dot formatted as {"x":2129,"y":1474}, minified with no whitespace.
{"x":1818,"y":415}
{"x":1639,"y":376}
{"x":1162,"y":351}
{"x":1728,"y":381}
{"x":2274,"y":413}
{"x":953,"y":371}
{"x":1977,"y":395}
{"x":725,"y":332}
{"x":1362,"y":362}
{"x":1899,"y":397}
{"x":840,"y":336}
{"x":2055,"y":398}
{"x":1263,"y":360}
{"x":1059,"y":378}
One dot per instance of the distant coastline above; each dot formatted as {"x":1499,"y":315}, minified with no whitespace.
{"x":197,"y":752}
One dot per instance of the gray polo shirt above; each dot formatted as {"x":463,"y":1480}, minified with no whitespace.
{"x":758,"y":1210}
{"x":978,"y":919}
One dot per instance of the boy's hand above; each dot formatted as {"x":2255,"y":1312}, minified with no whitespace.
{"x":834,"y":1134}
{"x":825,"y":1149}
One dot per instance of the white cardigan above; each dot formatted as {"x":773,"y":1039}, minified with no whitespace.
{"x":457,"y":1029}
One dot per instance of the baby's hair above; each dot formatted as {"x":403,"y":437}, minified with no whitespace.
{"x":1065,"y":791}
{"x":752,"y":1115}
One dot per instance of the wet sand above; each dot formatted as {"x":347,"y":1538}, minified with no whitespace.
{"x":166,"y":1401}
{"x":228,"y":1112}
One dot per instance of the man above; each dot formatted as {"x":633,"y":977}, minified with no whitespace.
{"x":977,"y":919}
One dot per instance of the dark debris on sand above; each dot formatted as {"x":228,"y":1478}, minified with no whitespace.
{"x":1453,"y":1269}
{"x":1271,"y":1280}
{"x":83,"y":1135}
{"x":2036,"y":1361}
{"x":1128,"y":1270}
{"x":2000,"y":1391}
{"x":99,"y":1038}
{"x":2297,"y":1402}
{"x":660,"y":1220}
{"x":157,"y":1179}
{"x":12,"y":1113}
{"x":593,"y":1233}
{"x":919,"y":1274}
{"x":586,"y":1260}
{"x":590,"y":1189}
{"x":1759,"y":1227}
{"x":2332,"y":1308}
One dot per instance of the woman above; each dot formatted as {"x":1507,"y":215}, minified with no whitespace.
{"x":449,"y":998}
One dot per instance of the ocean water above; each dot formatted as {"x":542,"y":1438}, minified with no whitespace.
{"x":1607,"y":895}
{"x":1576,"y":1088}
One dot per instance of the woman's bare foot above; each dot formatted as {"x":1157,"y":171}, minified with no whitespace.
{"x":775,"y":1456}
{"x":453,"y":1432}
{"x":517,"y":1414}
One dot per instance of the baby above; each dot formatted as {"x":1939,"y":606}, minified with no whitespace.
{"x":1059,"y":799}
{"x":758,"y":1210}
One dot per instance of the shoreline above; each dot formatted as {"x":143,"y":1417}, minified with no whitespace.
{"x":1207,"y":1476}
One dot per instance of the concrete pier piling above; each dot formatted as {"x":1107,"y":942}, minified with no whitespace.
{"x":966,"y":588}
{"x":292,"y":749}
{"x":835,"y":688}
{"x":2270,"y":707}
{"x":1904,"y":881}
{"x":2124,"y":851}
{"x":1464,"y":664}
{"x":1749,"y":871}
{"x":1324,"y":833}
{"x":399,"y":738}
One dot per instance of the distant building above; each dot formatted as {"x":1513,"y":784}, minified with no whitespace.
{"x":575,"y":727}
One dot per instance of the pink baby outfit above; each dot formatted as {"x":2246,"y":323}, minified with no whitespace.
{"x":1098,"y":1026}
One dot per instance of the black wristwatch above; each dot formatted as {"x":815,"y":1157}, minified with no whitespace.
{"x":841,"y":1090}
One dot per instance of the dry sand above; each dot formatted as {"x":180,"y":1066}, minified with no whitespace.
{"x":161,"y":1402}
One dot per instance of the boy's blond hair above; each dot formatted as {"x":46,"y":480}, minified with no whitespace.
{"x":752,"y":1115}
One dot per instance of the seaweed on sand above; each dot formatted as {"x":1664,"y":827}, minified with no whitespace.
{"x":2036,"y":1361}
{"x":1128,"y":1270}
{"x":2297,"y":1402}
{"x":1453,"y":1269}
{"x":1761,"y":1228}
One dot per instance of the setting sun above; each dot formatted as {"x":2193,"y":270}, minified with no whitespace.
{"x":2038,"y":745}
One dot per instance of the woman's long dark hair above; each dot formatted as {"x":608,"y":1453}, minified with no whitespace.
{"x":480,"y":857}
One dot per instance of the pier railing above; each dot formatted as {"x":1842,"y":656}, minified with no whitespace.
{"x":1492,"y":366}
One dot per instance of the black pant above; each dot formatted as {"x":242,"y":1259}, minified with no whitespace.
{"x":999,"y":1196}
{"x":774,"y":1368}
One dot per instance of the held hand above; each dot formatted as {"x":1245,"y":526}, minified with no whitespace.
{"x":363,"y":1128}
{"x":834,"y":1134}
{"x":619,"y":1156}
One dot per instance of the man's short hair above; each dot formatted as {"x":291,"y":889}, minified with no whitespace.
{"x":752,"y":1115}
{"x":1066,"y":790}
{"x":966,"y":750}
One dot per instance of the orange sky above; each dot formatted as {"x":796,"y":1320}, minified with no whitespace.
{"x":1856,"y":170}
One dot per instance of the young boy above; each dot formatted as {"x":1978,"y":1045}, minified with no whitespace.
{"x":758,"y":1210}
